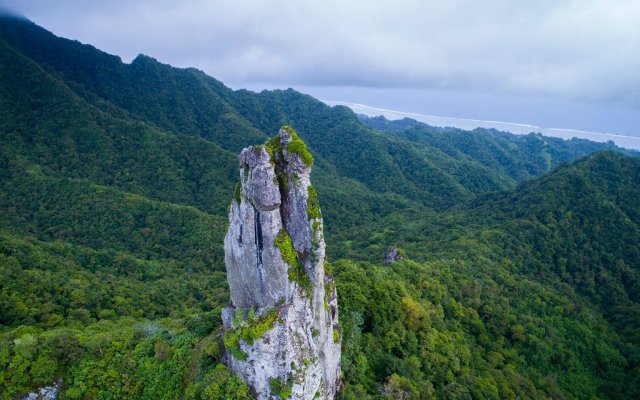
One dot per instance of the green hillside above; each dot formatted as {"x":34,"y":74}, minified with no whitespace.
{"x":517,"y":157}
{"x":541,"y":280}
{"x":522,"y":278}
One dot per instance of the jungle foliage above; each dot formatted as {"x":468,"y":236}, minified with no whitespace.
{"x":522,"y":270}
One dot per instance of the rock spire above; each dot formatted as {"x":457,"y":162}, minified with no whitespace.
{"x":281,"y":330}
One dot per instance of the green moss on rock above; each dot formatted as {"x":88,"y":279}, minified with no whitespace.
{"x":313,"y":205}
{"x":283,"y":182}
{"x":297,"y":146}
{"x":282,"y":389}
{"x":236,"y":193}
{"x":329,"y":290}
{"x":274,"y":148}
{"x":258,"y":326}
{"x":284,"y":243}
{"x":231,"y":341}
{"x":296,"y":269}
{"x":248,"y":330}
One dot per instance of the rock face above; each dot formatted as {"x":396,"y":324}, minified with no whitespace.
{"x":45,"y":393}
{"x":393,"y":255}
{"x":281,"y":331}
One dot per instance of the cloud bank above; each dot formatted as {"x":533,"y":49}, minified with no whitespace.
{"x":586,"y":50}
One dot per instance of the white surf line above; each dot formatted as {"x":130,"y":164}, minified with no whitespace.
{"x":345,"y":103}
{"x":593,"y":133}
{"x":513,"y":127}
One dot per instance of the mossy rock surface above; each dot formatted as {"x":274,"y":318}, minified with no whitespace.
{"x":249,"y":330}
{"x":295,"y":146}
{"x":313,"y":205}
{"x":296,"y":270}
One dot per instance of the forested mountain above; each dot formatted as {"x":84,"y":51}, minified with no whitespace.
{"x":114,"y":187}
{"x":518,"y":157}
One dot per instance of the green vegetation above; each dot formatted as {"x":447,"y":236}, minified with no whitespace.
{"x":290,"y":256}
{"x":115,"y":180}
{"x":442,"y":327}
{"x":134,"y":353}
{"x":280,"y":388}
{"x":285,"y":245}
{"x":219,"y":384}
{"x":283,"y":182}
{"x":313,"y":206}
{"x":495,"y":301}
{"x":274,"y":148}
{"x":297,"y":146}
{"x":232,"y":343}
{"x":237,"y":196}
{"x":259,"y":325}
{"x":249,"y":329}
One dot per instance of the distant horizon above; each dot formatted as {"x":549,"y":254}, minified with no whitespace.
{"x":424,"y":57}
{"x":551,"y":116}
{"x":626,"y":141}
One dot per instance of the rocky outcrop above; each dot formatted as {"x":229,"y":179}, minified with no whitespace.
{"x":281,"y":330}
{"x":45,"y":393}
{"x":393,"y":255}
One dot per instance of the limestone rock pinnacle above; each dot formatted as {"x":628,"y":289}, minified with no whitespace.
{"x":281,"y":330}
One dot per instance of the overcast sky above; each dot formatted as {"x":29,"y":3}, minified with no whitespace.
{"x":574,"y":64}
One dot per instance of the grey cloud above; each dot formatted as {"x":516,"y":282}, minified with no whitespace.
{"x":588,"y":50}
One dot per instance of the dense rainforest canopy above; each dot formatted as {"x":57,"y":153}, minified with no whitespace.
{"x":522,"y":271}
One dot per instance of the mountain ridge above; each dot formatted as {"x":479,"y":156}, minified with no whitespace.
{"x":114,"y":204}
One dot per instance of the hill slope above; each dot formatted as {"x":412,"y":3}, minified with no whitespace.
{"x":114,"y":186}
{"x":542,"y":278}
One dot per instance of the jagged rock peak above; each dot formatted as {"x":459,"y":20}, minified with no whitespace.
{"x":281,"y":330}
